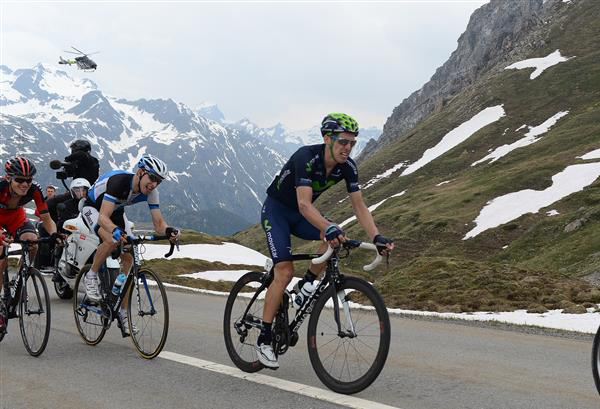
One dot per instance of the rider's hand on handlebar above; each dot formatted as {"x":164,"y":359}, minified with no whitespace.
{"x":384,"y":245}
{"x":172,"y":234}
{"x":118,"y":235}
{"x":334,"y":235}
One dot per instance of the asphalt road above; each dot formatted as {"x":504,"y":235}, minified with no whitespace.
{"x":430,"y":365}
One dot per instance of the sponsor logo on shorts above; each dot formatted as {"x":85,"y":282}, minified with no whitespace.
{"x":271,"y":245}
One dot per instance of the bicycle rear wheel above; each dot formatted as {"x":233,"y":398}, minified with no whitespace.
{"x":90,"y":320}
{"x":241,"y":335}
{"x":148,"y":314}
{"x":348,"y":364}
{"x":596,"y":359}
{"x":34,"y":313}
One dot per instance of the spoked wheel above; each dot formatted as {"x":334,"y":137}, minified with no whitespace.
{"x":349,"y":362}
{"x":596,"y":359}
{"x":62,"y":289}
{"x":89,"y":316}
{"x":241,"y":334}
{"x":148,"y":311}
{"x":34,"y":313}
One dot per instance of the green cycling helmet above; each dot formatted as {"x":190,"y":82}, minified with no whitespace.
{"x":337,"y":122}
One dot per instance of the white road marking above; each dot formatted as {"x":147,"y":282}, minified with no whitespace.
{"x":289,"y":386}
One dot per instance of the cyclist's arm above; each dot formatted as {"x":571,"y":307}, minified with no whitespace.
{"x":310,"y":213}
{"x":49,"y":224}
{"x":106,"y":210}
{"x":363,"y":214}
{"x":157,"y":220}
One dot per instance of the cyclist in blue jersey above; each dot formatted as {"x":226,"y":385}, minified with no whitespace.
{"x":104,"y":213}
{"x":288,"y":210}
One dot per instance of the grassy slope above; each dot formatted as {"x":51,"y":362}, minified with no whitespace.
{"x":433,"y":267}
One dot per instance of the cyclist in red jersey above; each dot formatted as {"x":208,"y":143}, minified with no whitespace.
{"x":17,"y":189}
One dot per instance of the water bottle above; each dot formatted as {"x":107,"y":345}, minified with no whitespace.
{"x":116,"y":290}
{"x":305,"y":292}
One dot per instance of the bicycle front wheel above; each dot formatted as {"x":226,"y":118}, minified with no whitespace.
{"x":349,"y":361}
{"x":596,"y":359}
{"x":89,"y":318}
{"x":242,"y":332}
{"x":148,"y":311}
{"x":34,"y":313}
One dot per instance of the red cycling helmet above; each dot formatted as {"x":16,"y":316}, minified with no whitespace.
{"x":20,"y":167}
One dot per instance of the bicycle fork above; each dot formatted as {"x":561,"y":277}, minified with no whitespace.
{"x":350,"y":331}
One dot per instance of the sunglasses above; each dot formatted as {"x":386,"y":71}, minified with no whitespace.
{"x":154,"y":178}
{"x":345,"y":142}
{"x":23,"y":180}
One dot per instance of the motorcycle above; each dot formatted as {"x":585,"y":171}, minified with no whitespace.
{"x":79,"y":246}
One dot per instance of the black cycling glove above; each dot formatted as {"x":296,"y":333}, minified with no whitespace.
{"x":381,"y":241}
{"x":332,"y":232}
{"x":171,"y":231}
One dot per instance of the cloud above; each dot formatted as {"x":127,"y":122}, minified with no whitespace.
{"x":271,"y":62}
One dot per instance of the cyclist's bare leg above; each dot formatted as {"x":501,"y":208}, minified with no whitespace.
{"x":104,"y":249}
{"x":33,"y":247}
{"x":284,"y":271}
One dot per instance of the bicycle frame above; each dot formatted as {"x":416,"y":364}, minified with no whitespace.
{"x":332,"y":278}
{"x":25,"y":264}
{"x":115,"y":305}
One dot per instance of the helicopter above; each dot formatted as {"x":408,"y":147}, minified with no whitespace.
{"x":83,"y":61}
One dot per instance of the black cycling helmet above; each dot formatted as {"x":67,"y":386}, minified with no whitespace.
{"x":81,"y":145}
{"x":20,"y":167}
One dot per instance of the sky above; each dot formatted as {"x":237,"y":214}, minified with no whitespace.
{"x":270,"y":61}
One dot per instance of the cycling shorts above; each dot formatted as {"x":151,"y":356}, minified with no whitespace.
{"x":279,"y":222}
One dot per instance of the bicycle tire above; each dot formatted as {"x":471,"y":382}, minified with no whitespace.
{"x":34,"y":313}
{"x":241,"y":351}
{"x":91,"y":325}
{"x":62,"y":289}
{"x":140,"y":327}
{"x":324,"y":342}
{"x":596,"y":360}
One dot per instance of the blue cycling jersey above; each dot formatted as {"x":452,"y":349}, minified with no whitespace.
{"x":306,"y":167}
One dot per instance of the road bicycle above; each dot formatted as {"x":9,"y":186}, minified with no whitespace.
{"x":26,"y":297}
{"x":348,"y":331}
{"x":147,"y":307}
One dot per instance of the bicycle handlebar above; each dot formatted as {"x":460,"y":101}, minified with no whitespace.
{"x":142,"y":238}
{"x":352,"y":244}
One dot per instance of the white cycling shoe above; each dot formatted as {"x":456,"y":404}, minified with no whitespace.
{"x":92,"y":288}
{"x":125,"y":320}
{"x":267,"y":356}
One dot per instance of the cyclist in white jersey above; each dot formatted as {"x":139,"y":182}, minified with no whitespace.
{"x":104,"y":213}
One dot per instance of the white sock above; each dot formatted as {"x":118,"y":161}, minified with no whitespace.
{"x":92,"y":275}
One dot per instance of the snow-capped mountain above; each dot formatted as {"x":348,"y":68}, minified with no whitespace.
{"x":218,"y":173}
{"x":288,"y":141}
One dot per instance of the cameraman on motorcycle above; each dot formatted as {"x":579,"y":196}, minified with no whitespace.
{"x":81,"y":164}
